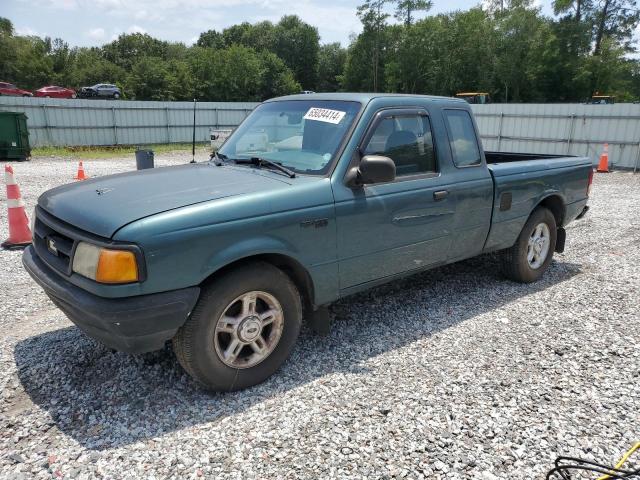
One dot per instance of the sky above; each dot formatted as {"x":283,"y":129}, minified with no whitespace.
{"x":96,"y":22}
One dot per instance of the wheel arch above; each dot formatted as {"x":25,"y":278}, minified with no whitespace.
{"x":556,"y":205}
{"x":298,"y":274}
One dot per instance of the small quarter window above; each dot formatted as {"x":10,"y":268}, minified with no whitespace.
{"x":407,"y":140}
{"x":462,"y":137}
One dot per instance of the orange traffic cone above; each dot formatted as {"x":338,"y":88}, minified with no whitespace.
{"x":80,"y":175}
{"x":603,"y":166}
{"x":19,"y":232}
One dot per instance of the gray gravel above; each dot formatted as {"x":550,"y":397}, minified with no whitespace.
{"x":455,"y":373}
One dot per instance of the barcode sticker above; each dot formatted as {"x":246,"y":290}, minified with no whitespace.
{"x":324,"y":115}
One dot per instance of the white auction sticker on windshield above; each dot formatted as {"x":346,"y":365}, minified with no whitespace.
{"x":324,"y":115}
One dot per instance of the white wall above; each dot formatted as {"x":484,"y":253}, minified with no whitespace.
{"x":116,"y":122}
{"x":567,"y":129}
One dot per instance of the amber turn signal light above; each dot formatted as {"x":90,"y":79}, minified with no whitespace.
{"x":117,"y":266}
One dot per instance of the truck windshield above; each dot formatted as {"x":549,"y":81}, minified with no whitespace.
{"x":301,"y":135}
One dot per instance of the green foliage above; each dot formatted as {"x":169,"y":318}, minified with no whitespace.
{"x":406,"y":9}
{"x":6,"y":27}
{"x":32,"y":64}
{"x":210,"y":39}
{"x":239,"y":73}
{"x":508,"y":49}
{"x":226,"y":75}
{"x":128,"y":49}
{"x":362,"y":65}
{"x":298,"y":45}
{"x":371,"y":43}
{"x":276,"y":79}
{"x":91,"y":67}
{"x":152,"y":79}
{"x":295,"y":42}
{"x":8,"y":53}
{"x":331,"y":61}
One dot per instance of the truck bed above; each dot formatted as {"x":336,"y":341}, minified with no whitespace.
{"x":507,"y":163}
{"x":504,"y":157}
{"x":522,"y":179}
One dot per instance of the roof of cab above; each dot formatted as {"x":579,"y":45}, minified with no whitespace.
{"x":360,"y":97}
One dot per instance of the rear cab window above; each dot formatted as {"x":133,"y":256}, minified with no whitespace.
{"x":462,"y":138}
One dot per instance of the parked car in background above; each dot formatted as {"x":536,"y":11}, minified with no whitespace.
{"x":101,"y":90}
{"x":10,"y":90}
{"x":53,"y":91}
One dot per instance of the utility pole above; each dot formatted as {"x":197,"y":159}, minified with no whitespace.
{"x":193,"y":141}
{"x":376,"y":55}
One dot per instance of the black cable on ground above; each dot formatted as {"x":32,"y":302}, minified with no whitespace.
{"x":563,"y":468}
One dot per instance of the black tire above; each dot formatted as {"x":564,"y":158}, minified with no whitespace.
{"x":116,"y":96}
{"x":194,"y":343}
{"x":515,"y":264}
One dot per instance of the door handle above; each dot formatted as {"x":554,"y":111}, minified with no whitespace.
{"x":440,"y":195}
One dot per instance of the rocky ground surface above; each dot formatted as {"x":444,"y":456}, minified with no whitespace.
{"x":455,"y":373}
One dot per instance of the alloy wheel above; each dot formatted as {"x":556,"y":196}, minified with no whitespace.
{"x":249,"y":329}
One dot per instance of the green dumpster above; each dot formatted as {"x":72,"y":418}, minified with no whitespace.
{"x":14,"y":137}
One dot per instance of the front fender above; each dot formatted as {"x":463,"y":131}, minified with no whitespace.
{"x":249,"y":247}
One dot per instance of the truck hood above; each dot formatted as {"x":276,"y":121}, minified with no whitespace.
{"x":103,"y":205}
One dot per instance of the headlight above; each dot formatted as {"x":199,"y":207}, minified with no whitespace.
{"x":105,"y":265}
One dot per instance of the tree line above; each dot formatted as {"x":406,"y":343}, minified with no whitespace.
{"x":507,"y":48}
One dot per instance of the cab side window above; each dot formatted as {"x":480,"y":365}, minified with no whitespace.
{"x":462,"y":137}
{"x":407,"y":140}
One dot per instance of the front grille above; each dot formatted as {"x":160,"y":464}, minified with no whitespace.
{"x":52,"y":242}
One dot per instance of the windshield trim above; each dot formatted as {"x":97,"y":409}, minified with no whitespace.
{"x":331,"y":166}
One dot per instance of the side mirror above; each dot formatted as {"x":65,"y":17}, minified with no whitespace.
{"x":372,"y":169}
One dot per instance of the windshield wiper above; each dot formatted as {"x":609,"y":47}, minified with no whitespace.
{"x":218,"y":158}
{"x":259,"y":162}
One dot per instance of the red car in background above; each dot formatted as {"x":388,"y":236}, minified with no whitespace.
{"x":56,"y":92}
{"x":9,"y":89}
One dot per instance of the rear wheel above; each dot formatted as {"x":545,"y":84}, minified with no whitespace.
{"x":116,"y":96}
{"x":531,"y":255}
{"x":242,"y":329}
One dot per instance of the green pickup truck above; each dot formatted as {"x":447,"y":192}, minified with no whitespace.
{"x":312,"y":198}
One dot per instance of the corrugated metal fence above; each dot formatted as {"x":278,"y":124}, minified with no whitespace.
{"x":106,"y":122}
{"x":571,"y":129}
{"x":565,"y":129}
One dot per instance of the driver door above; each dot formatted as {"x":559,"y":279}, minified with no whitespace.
{"x":401,"y":226}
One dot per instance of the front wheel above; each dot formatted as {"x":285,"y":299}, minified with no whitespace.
{"x":116,"y":96}
{"x":531,"y":255}
{"x":242,"y":329}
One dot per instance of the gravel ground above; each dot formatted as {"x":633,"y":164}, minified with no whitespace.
{"x":454,"y":373}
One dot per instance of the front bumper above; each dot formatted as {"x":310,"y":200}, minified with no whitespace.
{"x":131,"y":324}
